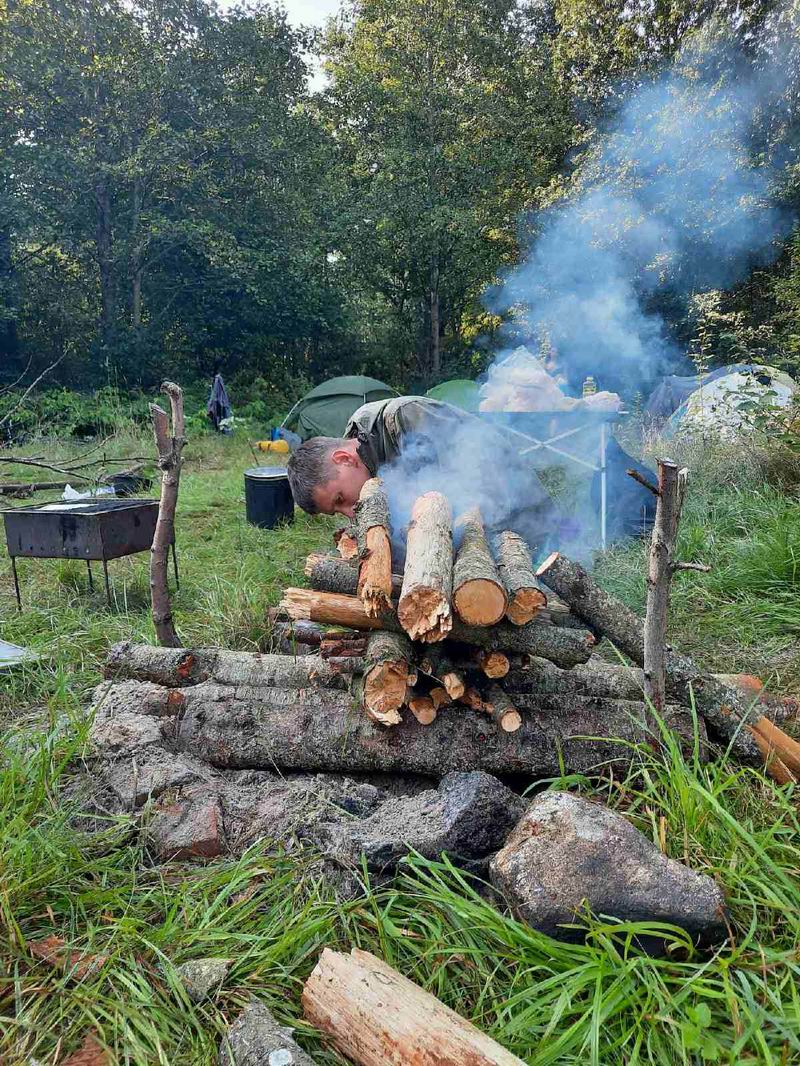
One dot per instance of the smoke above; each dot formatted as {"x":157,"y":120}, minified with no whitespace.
{"x":675,"y":201}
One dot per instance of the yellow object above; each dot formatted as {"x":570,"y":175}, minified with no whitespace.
{"x":589,"y":387}
{"x":280,"y":446}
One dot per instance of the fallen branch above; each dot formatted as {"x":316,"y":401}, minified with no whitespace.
{"x":170,"y":445}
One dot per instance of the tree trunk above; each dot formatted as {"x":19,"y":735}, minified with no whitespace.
{"x":478,"y":595}
{"x":566,"y":647}
{"x":169,"y":445}
{"x":728,"y":711}
{"x":436,"y":357}
{"x":319,"y":730}
{"x":375,"y":548}
{"x":376,"y":1017}
{"x":105,"y":262}
{"x":424,"y":606}
{"x":137,"y":252}
{"x":525,"y":596}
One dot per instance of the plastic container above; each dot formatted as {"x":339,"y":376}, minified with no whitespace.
{"x":267,"y":496}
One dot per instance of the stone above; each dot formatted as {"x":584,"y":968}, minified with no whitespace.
{"x":124,"y":734}
{"x":567,"y":852}
{"x":256,"y":1038}
{"x":201,"y":977}
{"x":189,"y":826}
{"x":468,"y":816}
{"x":136,"y":779}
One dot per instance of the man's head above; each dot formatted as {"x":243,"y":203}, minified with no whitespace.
{"x":326,"y":475}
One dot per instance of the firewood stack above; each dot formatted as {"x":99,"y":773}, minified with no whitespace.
{"x":456,"y":629}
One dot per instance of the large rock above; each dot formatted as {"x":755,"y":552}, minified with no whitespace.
{"x":468,"y":816}
{"x":567,"y":851}
{"x":257,"y":1039}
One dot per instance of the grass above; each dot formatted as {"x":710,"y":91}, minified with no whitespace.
{"x":600,"y":1002}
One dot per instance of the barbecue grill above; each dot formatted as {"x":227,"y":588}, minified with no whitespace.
{"x":96,"y":530}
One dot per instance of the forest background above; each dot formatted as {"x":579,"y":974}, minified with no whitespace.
{"x":178,"y":197}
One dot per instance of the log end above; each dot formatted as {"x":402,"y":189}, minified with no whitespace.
{"x":480,"y":602}
{"x":423,"y":709}
{"x":548,"y":563}
{"x":525,"y":605}
{"x":425,"y":614}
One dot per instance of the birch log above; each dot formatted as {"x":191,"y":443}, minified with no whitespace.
{"x":374,"y":547}
{"x":169,"y":443}
{"x":424,"y":606}
{"x":479,"y":597}
{"x":376,"y":1017}
{"x":525,"y":595}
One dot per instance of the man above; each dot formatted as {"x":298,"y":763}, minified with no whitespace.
{"x":419,"y":445}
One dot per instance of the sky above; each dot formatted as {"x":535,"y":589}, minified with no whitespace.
{"x":310,"y":11}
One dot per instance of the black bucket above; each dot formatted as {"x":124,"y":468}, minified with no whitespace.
{"x":267,"y":496}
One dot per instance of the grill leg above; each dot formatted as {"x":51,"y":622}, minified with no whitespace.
{"x":16,"y":582}
{"x":91,"y":579}
{"x":108,"y":587}
{"x":175,"y":566}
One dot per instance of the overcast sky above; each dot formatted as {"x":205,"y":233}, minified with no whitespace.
{"x":310,"y":11}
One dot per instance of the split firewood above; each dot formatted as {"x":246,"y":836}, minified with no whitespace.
{"x":563,"y":646}
{"x":339,"y":647}
{"x":317,"y":729}
{"x":525,"y":595}
{"x":494,"y":664}
{"x":730,"y":712}
{"x":374,"y":547}
{"x":374,"y":1016}
{"x":503,"y":712}
{"x":331,"y":573}
{"x":346,"y":542}
{"x":440,"y":697}
{"x":386,"y":671}
{"x":423,"y":709}
{"x":435,"y":663}
{"x":424,"y":606}
{"x":479,"y":597}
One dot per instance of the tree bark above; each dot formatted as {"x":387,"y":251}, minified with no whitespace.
{"x":319,"y":729}
{"x":504,"y":714}
{"x":105,"y":262}
{"x":387,"y":661}
{"x":525,"y":596}
{"x":169,"y":445}
{"x":478,"y":595}
{"x":424,"y":606}
{"x":729,"y":712}
{"x":375,"y":547}
{"x":566,"y":647}
{"x":669,"y":501}
{"x":376,"y":1017}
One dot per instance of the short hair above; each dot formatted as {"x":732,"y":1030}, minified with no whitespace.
{"x":309,"y":467}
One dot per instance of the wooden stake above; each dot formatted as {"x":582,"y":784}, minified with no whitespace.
{"x":376,"y":1017}
{"x":478,"y":594}
{"x":424,"y":606}
{"x":375,"y":548}
{"x":170,"y":445}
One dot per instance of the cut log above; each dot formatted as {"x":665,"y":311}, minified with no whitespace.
{"x":374,"y":548}
{"x":727,"y":710}
{"x":331,"y":573}
{"x":346,"y":542}
{"x":294,"y":632}
{"x":424,"y":607}
{"x":322,"y":730}
{"x":479,"y":597}
{"x":525,"y":595}
{"x":567,"y":647}
{"x":494,"y":664}
{"x":386,"y":671}
{"x":440,"y":696}
{"x":423,"y":709}
{"x":472,"y":698}
{"x":504,"y":714}
{"x":340,"y":647}
{"x":376,"y":1017}
{"x":179,"y":667}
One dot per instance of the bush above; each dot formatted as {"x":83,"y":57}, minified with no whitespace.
{"x":68,"y":413}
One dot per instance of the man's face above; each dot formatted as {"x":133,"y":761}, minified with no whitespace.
{"x":339,"y":495}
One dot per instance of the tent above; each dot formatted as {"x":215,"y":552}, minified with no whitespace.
{"x":460,"y":392}
{"x":673,"y":391}
{"x":724,"y":406}
{"x":326,"y":410}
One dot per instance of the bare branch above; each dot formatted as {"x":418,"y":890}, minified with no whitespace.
{"x":700,"y":567}
{"x":7,"y":416}
{"x":643,"y":481}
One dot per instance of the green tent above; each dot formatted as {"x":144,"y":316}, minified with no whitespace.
{"x":326,"y":410}
{"x":460,"y":392}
